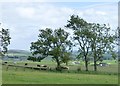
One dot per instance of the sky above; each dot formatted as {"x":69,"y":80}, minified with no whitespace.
{"x":24,"y":19}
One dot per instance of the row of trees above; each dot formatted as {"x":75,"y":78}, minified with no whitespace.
{"x":90,"y":37}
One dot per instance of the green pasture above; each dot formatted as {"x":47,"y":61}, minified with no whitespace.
{"x":104,"y":75}
{"x":112,"y":68}
{"x":28,"y":76}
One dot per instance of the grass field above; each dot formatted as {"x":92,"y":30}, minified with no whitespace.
{"x":105,"y":75}
{"x":112,"y":68}
{"x":42,"y":77}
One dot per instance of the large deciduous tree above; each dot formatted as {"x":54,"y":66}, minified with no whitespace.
{"x":118,"y":43}
{"x":82,"y":34}
{"x":4,"y":41}
{"x":92,"y":37}
{"x":102,"y":41}
{"x":40,"y":48}
{"x":52,"y":43}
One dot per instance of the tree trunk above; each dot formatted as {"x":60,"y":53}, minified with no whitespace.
{"x":58,"y":65}
{"x":58,"y":62}
{"x":86,"y":63}
{"x":95,"y":62}
{"x":66,"y":63}
{"x":95,"y":65}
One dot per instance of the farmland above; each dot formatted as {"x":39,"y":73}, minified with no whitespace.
{"x":36,"y":77}
{"x":17,"y":74}
{"x":104,"y":75}
{"x":59,"y":43}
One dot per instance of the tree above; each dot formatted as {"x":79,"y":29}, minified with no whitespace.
{"x":82,"y":35}
{"x":117,"y":34}
{"x":92,"y":37}
{"x":101,"y":42}
{"x":41,"y":46}
{"x":4,"y":41}
{"x":33,"y":58}
{"x":66,"y":57}
{"x":118,"y":43}
{"x":52,"y":43}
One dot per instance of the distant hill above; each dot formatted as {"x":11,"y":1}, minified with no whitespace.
{"x":19,"y":55}
{"x":18,"y":51}
{"x":23,"y":54}
{"x":106,"y":56}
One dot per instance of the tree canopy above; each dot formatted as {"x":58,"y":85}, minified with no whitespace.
{"x":4,"y":41}
{"x":91,"y":37}
{"x":52,"y":43}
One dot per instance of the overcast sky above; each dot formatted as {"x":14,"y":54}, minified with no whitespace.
{"x":25,"y":19}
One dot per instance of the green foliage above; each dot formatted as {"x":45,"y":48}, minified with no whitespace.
{"x":82,"y":34}
{"x":92,"y":37}
{"x":4,"y":41}
{"x":34,"y":58}
{"x":53,"y":43}
{"x":76,"y":22}
{"x":65,"y":57}
{"x":94,"y":41}
{"x":101,"y":42}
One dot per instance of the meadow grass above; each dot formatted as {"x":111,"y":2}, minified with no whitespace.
{"x":112,"y":68}
{"x":104,"y":75}
{"x":43,"y":77}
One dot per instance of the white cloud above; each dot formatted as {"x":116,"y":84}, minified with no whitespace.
{"x":101,"y":13}
{"x":50,"y":15}
{"x":26,"y":12}
{"x":46,"y":15}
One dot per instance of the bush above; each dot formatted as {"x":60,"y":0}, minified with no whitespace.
{"x":79,"y":69}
